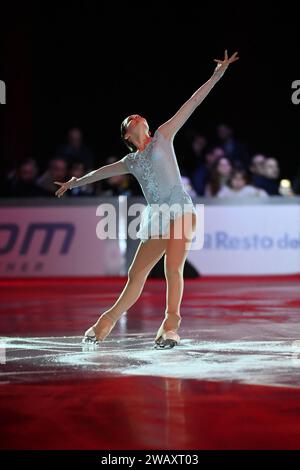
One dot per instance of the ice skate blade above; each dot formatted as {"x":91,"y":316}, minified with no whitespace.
{"x":90,"y":340}
{"x":165,"y":344}
{"x":89,"y":345}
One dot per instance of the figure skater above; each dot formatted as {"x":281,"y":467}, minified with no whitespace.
{"x":153,"y":162}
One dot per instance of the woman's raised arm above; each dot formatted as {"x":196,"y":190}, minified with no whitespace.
{"x":172,"y":126}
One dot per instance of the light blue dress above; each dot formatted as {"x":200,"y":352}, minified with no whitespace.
{"x":158,"y":174}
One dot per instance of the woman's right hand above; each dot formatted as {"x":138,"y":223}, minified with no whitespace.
{"x":64,"y":186}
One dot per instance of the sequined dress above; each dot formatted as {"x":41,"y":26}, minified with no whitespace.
{"x":158,"y":174}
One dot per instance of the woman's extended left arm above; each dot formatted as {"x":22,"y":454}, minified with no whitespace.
{"x":172,"y":126}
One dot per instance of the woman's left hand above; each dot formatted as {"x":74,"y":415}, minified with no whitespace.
{"x":223,"y":64}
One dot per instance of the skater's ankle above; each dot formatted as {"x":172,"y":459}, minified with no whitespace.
{"x":103,"y":327}
{"x":172,"y":321}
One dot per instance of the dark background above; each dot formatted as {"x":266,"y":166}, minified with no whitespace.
{"x":91,"y":64}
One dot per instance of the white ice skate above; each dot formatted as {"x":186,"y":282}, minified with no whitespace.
{"x":167,"y":340}
{"x":90,"y":337}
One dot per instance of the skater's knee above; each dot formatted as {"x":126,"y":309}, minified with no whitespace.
{"x":174,"y":270}
{"x":135,"y":275}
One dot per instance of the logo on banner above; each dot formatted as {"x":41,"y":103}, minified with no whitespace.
{"x":47,"y":229}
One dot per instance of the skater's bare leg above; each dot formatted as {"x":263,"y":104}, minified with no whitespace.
{"x":146,"y":256}
{"x":176,"y":253}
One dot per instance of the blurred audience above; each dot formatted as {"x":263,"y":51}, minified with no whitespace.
{"x":22,"y":182}
{"x":195,"y":149}
{"x":296,"y":182}
{"x":265,"y":174}
{"x":219,"y":176}
{"x":207,"y":169}
{"x":201,"y":174}
{"x":75,"y":149}
{"x":257,"y":164}
{"x":238,"y":186}
{"x":234,"y":149}
{"x":56,"y":171}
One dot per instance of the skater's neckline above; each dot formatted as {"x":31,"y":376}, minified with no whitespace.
{"x":138,"y":152}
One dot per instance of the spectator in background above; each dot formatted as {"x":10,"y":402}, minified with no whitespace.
{"x":56,"y":171}
{"x":201,"y":174}
{"x":269,"y":177}
{"x":296,"y":182}
{"x":234,"y":149}
{"x":78,"y":169}
{"x":219,"y":176}
{"x":238,"y":186}
{"x":197,"y":144}
{"x":75,"y":149}
{"x":7,"y":173}
{"x":257,"y":167}
{"x":218,"y":152}
{"x":271,"y":173}
{"x":23,"y":182}
{"x":115,"y":185}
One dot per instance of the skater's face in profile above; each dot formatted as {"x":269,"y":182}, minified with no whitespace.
{"x":135,"y":127}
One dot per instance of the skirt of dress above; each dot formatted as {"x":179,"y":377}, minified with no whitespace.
{"x":156,"y":217}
